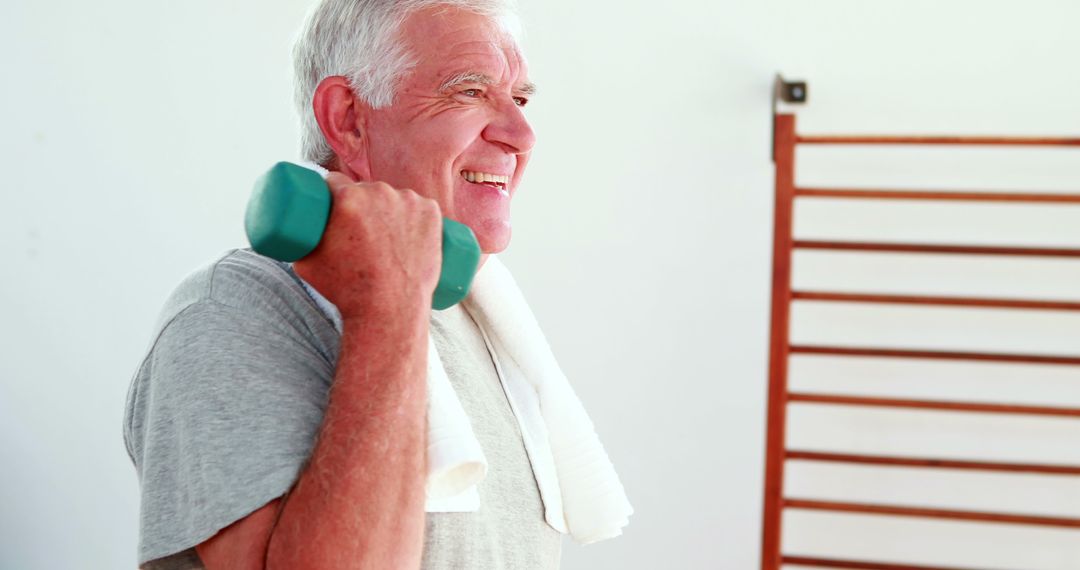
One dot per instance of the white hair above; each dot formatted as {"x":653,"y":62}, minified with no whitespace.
{"x":359,"y":39}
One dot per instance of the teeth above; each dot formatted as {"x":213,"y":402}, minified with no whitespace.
{"x":484,"y":177}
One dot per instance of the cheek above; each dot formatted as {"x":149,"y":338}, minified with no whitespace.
{"x":439,"y":152}
{"x":416,"y":160}
{"x":426,"y":155}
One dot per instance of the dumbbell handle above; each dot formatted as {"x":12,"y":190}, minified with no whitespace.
{"x":287,"y":215}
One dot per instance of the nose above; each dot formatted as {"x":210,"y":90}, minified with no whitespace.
{"x":510,"y":129}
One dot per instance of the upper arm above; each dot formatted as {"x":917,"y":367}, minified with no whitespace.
{"x":226,"y":415}
{"x":241,"y":545}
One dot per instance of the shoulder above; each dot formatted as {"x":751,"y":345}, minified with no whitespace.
{"x":244,"y":317}
{"x":241,"y":298}
{"x":242,"y":282}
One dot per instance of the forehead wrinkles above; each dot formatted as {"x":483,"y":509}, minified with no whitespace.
{"x":438,"y":37}
{"x":442,"y":30}
{"x":445,"y":42}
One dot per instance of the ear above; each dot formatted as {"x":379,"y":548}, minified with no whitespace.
{"x":341,"y":116}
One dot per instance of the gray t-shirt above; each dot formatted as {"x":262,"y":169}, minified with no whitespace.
{"x":223,"y":411}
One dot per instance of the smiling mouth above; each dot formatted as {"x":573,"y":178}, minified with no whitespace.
{"x":493,"y":180}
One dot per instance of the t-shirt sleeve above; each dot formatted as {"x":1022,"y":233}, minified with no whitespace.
{"x":226,"y":411}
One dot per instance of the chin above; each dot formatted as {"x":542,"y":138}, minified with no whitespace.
{"x":493,"y":241}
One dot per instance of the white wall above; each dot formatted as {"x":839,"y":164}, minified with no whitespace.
{"x":132,"y":131}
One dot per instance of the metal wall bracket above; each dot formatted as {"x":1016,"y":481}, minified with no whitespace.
{"x":790,"y":92}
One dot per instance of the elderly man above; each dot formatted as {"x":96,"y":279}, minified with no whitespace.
{"x":281,"y":418}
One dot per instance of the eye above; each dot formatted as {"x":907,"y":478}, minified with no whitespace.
{"x":472,"y":92}
{"x":521,"y":101}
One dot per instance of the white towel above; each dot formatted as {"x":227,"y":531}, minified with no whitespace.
{"x":554,"y":423}
{"x":581,"y":492}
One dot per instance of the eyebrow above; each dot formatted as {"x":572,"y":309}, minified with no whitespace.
{"x":527,"y":88}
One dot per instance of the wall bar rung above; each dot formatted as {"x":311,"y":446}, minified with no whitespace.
{"x":934,"y":195}
{"x":934,"y":355}
{"x":830,"y":296}
{"x":933,"y":513}
{"x":838,"y":400}
{"x":934,"y":463}
{"x":937,"y":248}
{"x":937,"y":140}
{"x":816,"y":562}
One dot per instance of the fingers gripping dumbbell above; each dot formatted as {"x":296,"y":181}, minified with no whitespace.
{"x":287,"y":215}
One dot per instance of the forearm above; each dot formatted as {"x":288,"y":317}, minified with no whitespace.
{"x":359,"y":502}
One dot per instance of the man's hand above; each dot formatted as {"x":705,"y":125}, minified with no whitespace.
{"x":381,"y":248}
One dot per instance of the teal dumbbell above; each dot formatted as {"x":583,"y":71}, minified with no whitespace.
{"x":288,"y":212}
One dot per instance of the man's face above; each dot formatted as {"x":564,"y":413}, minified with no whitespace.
{"x":456,"y":132}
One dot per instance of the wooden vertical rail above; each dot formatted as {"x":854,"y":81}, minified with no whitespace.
{"x":784,"y":154}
